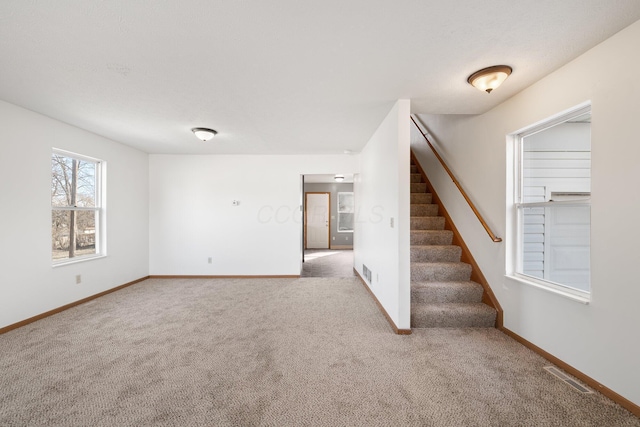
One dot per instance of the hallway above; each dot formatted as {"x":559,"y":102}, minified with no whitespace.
{"x":327,"y":263}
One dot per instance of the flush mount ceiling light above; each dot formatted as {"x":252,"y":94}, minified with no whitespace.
{"x":339,"y":178}
{"x":204,"y":134}
{"x":489,"y":78}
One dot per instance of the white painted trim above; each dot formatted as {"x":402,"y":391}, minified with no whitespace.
{"x":568,"y":203}
{"x":67,"y":153}
{"x":514,"y":255}
{"x":74,"y":208}
{"x":76,"y":260}
{"x":100,"y":209}
{"x":572,"y":294}
{"x":551,"y":121}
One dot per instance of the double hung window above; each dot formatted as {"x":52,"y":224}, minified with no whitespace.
{"x":552,"y":203}
{"x":346,"y":212}
{"x":76,"y":207}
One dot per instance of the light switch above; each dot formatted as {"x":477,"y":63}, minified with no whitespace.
{"x":391,"y":222}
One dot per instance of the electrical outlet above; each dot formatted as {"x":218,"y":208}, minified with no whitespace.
{"x":210,"y":260}
{"x":346,"y":237}
{"x":78,"y":279}
{"x":391,"y":222}
{"x":334,"y":237}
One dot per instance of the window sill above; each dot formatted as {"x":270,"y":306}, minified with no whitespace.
{"x":575,"y":295}
{"x":77,"y":260}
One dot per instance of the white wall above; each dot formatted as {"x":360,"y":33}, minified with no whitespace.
{"x":382,"y":193}
{"x":29,"y":285}
{"x":192,"y":217}
{"x":598,"y":339}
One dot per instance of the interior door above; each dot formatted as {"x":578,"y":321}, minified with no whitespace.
{"x":317,"y":220}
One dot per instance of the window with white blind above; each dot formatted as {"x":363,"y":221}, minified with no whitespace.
{"x":552,"y":203}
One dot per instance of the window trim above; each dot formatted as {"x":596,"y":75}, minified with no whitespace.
{"x":99,"y":209}
{"x":515,"y":190}
{"x":549,"y":286}
{"x":339,"y":212}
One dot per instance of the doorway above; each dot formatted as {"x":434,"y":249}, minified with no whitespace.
{"x":327,"y":244}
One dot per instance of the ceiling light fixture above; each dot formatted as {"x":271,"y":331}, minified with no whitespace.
{"x":339,"y":178}
{"x":489,"y":78}
{"x":204,"y":134}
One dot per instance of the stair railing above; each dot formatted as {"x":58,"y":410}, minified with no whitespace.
{"x":455,"y":181}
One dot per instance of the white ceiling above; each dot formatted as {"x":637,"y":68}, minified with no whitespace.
{"x":279,"y":76}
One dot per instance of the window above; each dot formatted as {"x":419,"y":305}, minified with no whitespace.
{"x":552,"y":204}
{"x":76,"y":207}
{"x":345,"y":212}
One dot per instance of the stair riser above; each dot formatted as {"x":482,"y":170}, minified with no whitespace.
{"x":427,"y":223}
{"x":457,"y":320}
{"x":421,"y":198}
{"x":414,"y":169}
{"x":431,"y":237}
{"x":440,"y":273}
{"x":418,"y":187}
{"x":436,"y":253}
{"x":424,"y":210}
{"x":416,"y":177}
{"x":472,"y":293}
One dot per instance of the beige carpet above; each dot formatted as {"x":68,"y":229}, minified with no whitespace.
{"x":327,"y":263}
{"x":306,"y":352}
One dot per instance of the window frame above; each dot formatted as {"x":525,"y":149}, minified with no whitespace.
{"x":98,"y":209}
{"x":344,"y":212}
{"x":516,"y":262}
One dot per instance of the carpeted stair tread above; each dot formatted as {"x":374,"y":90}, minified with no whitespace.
{"x":418,"y":187}
{"x":416,"y":177}
{"x":440,"y":271}
{"x":452,"y":315}
{"x":414,"y":169}
{"x":423,"y":209}
{"x":431,"y":237}
{"x":435,"y":253}
{"x":427,"y":223}
{"x":446,"y":292}
{"x":421,"y":198}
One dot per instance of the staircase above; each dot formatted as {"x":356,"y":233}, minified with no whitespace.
{"x":442,"y":294}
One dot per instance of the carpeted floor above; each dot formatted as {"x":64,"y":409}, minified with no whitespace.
{"x":328,"y":263}
{"x":269,"y":352}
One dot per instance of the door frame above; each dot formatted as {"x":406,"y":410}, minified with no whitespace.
{"x":306,"y":204}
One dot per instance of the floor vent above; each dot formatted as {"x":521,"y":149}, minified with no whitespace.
{"x":567,"y":379}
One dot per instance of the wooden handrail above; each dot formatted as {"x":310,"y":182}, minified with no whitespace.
{"x":455,"y":181}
